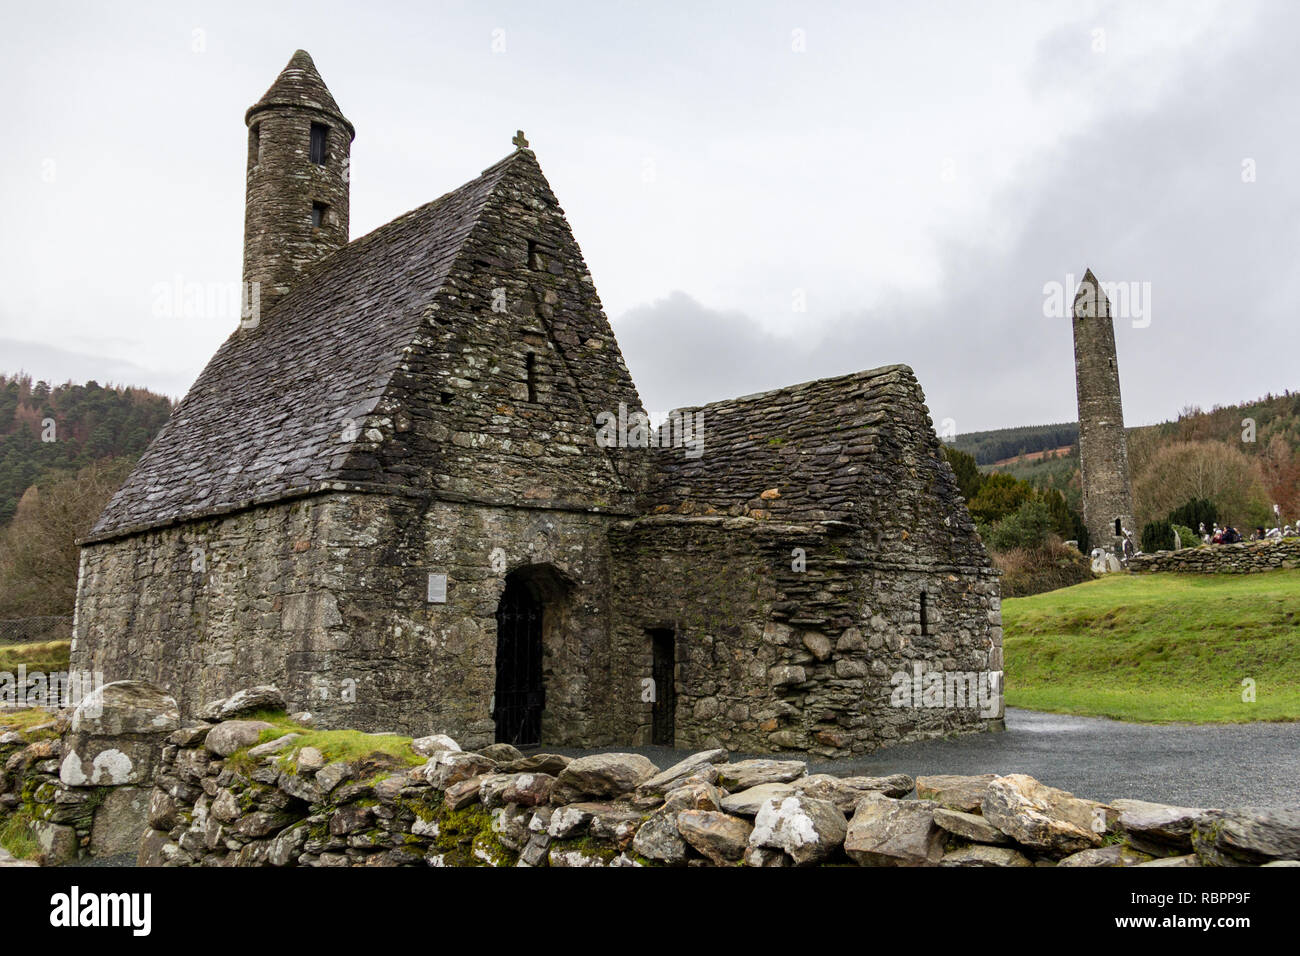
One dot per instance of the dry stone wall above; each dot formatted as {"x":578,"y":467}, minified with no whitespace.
{"x":243,"y":793}
{"x":1248,"y":557}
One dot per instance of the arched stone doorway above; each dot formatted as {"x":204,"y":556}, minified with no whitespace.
{"x":528,"y":616}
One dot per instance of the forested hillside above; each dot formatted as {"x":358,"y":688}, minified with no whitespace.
{"x":1003,"y":443}
{"x":1241,"y":457}
{"x":49,"y":431}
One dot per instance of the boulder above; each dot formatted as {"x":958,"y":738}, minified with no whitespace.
{"x":331,"y":775}
{"x":273,"y":746}
{"x":262,"y":697}
{"x":1248,"y":837}
{"x":808,"y":829}
{"x":748,"y":802}
{"x":309,"y":760}
{"x":570,"y":821}
{"x":719,"y":836}
{"x":614,"y":822}
{"x":969,"y":826}
{"x":1042,"y":817}
{"x":93,"y":761}
{"x":965,"y":793}
{"x":753,"y":773}
{"x":225,"y":738}
{"x":697,"y":795}
{"x":452,"y":766}
{"x":463,"y":792}
{"x":845,"y":792}
{"x":434,"y":743}
{"x":765,"y":856}
{"x":1113,"y":855}
{"x":120,"y":821}
{"x":126,"y":707}
{"x":529,"y":789}
{"x":538,"y":763}
{"x":501,"y":753}
{"x":58,"y":843}
{"x":603,"y":775}
{"x":1158,"y":827}
{"x":888,"y":832}
{"x":980,"y":855}
{"x":668,"y":779}
{"x":658,"y":839}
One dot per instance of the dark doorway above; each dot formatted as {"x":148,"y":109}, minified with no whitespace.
{"x":520,"y":695}
{"x":663,"y":670}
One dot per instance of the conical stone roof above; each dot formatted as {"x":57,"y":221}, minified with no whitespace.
{"x":300,"y":86}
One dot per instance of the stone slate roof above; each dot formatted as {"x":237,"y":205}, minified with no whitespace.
{"x":824,"y":447}
{"x":299,"y":84}
{"x":263,"y":420}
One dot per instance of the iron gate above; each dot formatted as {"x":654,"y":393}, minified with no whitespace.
{"x":520,"y":696}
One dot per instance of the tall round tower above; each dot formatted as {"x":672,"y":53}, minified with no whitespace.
{"x":1103,"y":449}
{"x":296,"y":211}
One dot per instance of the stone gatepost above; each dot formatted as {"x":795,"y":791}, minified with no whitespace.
{"x":115,"y":745}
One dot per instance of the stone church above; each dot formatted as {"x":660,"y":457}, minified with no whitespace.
{"x":388,"y":493}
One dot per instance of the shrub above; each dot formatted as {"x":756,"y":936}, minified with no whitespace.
{"x":1196,"y":512}
{"x":1158,"y":536}
{"x":1000,"y":496}
{"x":1187,"y":536}
{"x":1027,"y":571}
{"x":1028,"y":527}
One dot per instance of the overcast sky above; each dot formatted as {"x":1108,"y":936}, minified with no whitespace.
{"x":763,"y":197}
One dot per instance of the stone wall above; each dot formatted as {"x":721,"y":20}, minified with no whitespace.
{"x":81,"y":783}
{"x":241,"y":793}
{"x":1248,"y":557}
{"x":789,"y":637}
{"x":327,"y":597}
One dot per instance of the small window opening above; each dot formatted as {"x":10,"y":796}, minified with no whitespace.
{"x":531,"y":367}
{"x":1118,"y":529}
{"x":445,"y":398}
{"x":255,"y":144}
{"x":534,"y":257}
{"x":319,"y":135}
{"x":925,"y":614}
{"x":318,"y":214}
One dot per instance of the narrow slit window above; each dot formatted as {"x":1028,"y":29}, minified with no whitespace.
{"x":925,"y":614}
{"x":319,"y":137}
{"x":318,"y":210}
{"x":255,"y":144}
{"x":530,"y":366}
{"x":534,"y":257}
{"x":1118,"y":529}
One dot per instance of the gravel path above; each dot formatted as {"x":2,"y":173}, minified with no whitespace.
{"x":1197,"y":765}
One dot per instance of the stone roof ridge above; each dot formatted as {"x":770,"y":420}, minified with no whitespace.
{"x":848,"y":379}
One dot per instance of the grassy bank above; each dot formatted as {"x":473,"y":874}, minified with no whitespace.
{"x":46,"y":657}
{"x":1159,"y":647}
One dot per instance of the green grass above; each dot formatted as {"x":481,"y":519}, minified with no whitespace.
{"x":1158,"y":648}
{"x":16,"y":837}
{"x":47,"y":657}
{"x":25,"y":719}
{"x":349,"y":745}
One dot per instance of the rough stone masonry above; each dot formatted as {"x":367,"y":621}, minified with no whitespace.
{"x":389,"y":497}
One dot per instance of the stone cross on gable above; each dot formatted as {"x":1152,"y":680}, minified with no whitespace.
{"x":519,"y":140}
